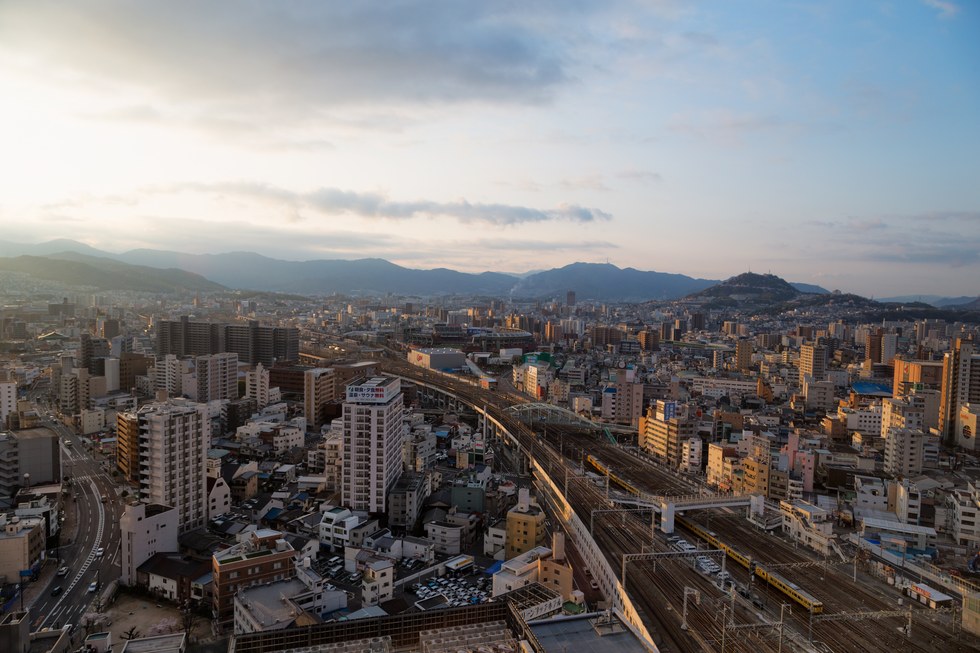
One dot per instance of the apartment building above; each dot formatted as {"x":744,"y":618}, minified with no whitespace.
{"x":217,"y":377}
{"x":147,"y":529}
{"x":262,"y":556}
{"x":372,"y":419}
{"x":663,"y":430}
{"x":174,"y":437}
{"x":319,"y":390}
{"x":525,"y":525}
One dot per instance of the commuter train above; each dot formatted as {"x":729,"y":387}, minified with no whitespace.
{"x":620,"y":482}
{"x":787,"y":587}
{"x":790,"y":589}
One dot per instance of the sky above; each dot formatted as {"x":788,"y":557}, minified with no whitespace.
{"x":830,"y":142}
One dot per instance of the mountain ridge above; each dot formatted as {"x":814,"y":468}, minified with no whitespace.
{"x":254,"y":271}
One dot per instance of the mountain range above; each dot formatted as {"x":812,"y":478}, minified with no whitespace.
{"x":85,"y":265}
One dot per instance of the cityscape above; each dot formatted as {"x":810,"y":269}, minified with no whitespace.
{"x":430,"y":327}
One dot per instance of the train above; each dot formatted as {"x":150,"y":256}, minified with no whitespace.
{"x":615,"y":480}
{"x":776,"y":580}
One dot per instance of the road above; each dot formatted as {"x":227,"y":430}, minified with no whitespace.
{"x":97,"y":526}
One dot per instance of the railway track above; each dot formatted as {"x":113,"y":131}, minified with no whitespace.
{"x":659,"y":592}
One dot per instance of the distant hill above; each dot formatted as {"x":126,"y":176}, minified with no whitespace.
{"x":972,"y":305}
{"x":81,"y":270}
{"x":747,"y":289}
{"x":933,"y":300}
{"x":361,"y":276}
{"x":809,"y":288}
{"x":606,"y":282}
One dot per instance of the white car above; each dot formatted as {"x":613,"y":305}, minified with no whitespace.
{"x":99,"y":552}
{"x":93,"y":586}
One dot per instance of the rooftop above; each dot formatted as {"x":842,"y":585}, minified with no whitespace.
{"x":173,"y":643}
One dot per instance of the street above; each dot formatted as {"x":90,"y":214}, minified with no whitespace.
{"x":96,"y":525}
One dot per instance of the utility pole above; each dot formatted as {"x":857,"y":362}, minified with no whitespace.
{"x":781,"y":621}
{"x":689,"y":591}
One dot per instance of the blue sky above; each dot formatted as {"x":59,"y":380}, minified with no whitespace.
{"x":827,"y":142}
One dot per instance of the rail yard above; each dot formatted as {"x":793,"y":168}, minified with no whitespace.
{"x":779,"y":595}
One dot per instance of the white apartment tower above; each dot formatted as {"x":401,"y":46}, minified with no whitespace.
{"x":373,"y":413}
{"x":173,"y":442}
{"x":257,"y":387}
{"x":217,"y":377}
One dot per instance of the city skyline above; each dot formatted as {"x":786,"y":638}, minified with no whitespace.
{"x":827,"y":143}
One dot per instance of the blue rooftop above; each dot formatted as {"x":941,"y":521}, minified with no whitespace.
{"x":875,"y":388}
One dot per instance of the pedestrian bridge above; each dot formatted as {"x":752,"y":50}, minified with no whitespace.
{"x":669,"y":506}
{"x":549,"y":414}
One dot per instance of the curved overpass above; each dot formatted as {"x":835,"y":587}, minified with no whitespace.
{"x":547,"y":465}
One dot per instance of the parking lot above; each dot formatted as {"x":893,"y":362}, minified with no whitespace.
{"x":467,"y":590}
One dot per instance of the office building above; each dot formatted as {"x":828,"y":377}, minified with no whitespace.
{"x":174,"y":436}
{"x":372,"y":418}
{"x":910,"y":374}
{"x":32,"y":452}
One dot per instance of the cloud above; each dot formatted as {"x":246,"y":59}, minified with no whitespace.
{"x":640,"y":175}
{"x":370,"y":205}
{"x":302,"y":58}
{"x":946,"y":9}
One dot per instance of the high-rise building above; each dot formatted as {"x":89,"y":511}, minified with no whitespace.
{"x":570,"y":298}
{"x":257,"y":387}
{"x":174,"y":437}
{"x":663,"y":430}
{"x":960,"y":385}
{"x":901,"y":413}
{"x":8,"y":402}
{"x":252,"y":342}
{"x":910,"y":374}
{"x":904,"y":452}
{"x":319,"y":390}
{"x":743,"y":354}
{"x":813,"y":361}
{"x":872,"y":346}
{"x":217,"y":377}
{"x":373,"y":415}
{"x":127,"y":446}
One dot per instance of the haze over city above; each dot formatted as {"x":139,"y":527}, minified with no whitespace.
{"x":831,"y":143}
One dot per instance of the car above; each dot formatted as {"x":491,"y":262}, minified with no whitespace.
{"x":93,"y":586}
{"x":63,"y":571}
{"x":99,"y":552}
{"x":56,"y":591}
{"x":67,"y":443}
